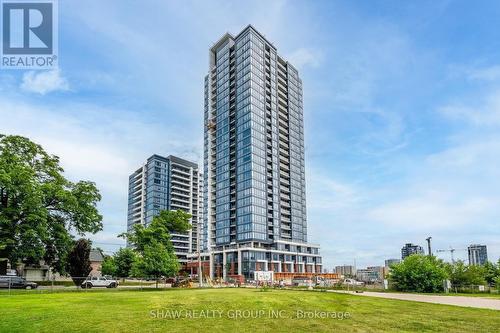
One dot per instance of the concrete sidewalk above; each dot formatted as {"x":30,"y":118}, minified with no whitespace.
{"x":474,"y":302}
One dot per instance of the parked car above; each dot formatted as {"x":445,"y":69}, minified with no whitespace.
{"x":16,"y":282}
{"x":99,"y":281}
{"x":352,"y":282}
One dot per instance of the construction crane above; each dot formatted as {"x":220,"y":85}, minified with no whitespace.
{"x":452,"y":251}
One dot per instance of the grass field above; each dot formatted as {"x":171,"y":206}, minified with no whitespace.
{"x":131,"y":311}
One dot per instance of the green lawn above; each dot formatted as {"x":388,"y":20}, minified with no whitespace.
{"x":130,"y":311}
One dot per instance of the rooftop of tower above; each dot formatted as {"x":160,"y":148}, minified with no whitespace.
{"x":229,"y":35}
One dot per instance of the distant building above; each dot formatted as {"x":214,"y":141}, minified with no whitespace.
{"x":478,"y":255}
{"x":96,"y":259}
{"x":370,"y":274}
{"x":345,"y":270}
{"x":34,"y":272}
{"x":165,"y":183}
{"x":410,"y":249}
{"x":390,"y":262}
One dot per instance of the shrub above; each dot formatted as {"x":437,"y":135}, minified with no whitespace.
{"x":418,"y":273}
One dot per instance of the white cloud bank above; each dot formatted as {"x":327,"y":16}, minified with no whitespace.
{"x":305,"y":57}
{"x":44,"y":82}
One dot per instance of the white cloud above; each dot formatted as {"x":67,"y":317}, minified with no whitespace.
{"x":325,"y":193}
{"x":305,"y":57}
{"x":103,"y":145}
{"x":433,"y":211}
{"x":43,"y":82}
{"x":485,"y":113}
{"x":485,"y":74}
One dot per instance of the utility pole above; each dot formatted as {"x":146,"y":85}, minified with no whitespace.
{"x":428,"y":239}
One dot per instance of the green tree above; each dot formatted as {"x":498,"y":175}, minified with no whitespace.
{"x":156,"y":261}
{"x":159,"y":230}
{"x":108,"y":266}
{"x":462,"y":275}
{"x":176,"y":221}
{"x":124,"y":259}
{"x":79,"y":262}
{"x":39,"y":207}
{"x":418,"y":273}
{"x":491,"y":272}
{"x":497,"y":282}
{"x":152,"y":243}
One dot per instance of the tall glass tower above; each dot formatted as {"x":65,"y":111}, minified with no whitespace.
{"x":254,"y":179}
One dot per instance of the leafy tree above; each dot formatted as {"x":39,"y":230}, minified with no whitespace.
{"x":418,"y":273}
{"x":79,"y":262}
{"x":124,"y":259}
{"x":176,"y":221}
{"x":462,"y":275}
{"x":156,"y":261}
{"x":490,"y":272}
{"x":475,"y":275}
{"x":155,"y":252}
{"x":39,"y":207}
{"x":159,"y":230}
{"x":108,"y":266}
{"x":497,"y":282}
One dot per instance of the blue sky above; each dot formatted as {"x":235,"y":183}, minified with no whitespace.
{"x":401,"y":103}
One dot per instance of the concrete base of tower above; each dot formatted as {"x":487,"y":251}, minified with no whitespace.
{"x":244,"y":259}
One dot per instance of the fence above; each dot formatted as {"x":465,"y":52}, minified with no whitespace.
{"x":474,"y":289}
{"x":17,"y":285}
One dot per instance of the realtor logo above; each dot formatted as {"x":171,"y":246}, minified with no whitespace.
{"x":29,"y":34}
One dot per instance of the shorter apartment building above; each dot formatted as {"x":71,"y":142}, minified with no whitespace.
{"x":166,"y":183}
{"x":371,"y":274}
{"x":390,"y":262}
{"x":478,"y":254}
{"x":410,"y":249}
{"x":346,"y":270}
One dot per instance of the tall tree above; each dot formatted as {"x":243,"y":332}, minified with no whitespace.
{"x":39,"y":207}
{"x":156,"y":261}
{"x":155,"y":252}
{"x":108,"y":266}
{"x":124,"y":259}
{"x":79,"y":261}
{"x":159,"y":230}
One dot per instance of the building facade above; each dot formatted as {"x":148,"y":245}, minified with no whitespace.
{"x":165,"y":183}
{"x":389,"y":262}
{"x":254,"y":173}
{"x":478,"y":254}
{"x":410,"y":249}
{"x":346,"y":270}
{"x":371,"y":274}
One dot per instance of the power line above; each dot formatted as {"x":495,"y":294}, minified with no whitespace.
{"x":106,"y":243}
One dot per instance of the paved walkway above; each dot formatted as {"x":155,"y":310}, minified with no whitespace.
{"x":474,"y":302}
